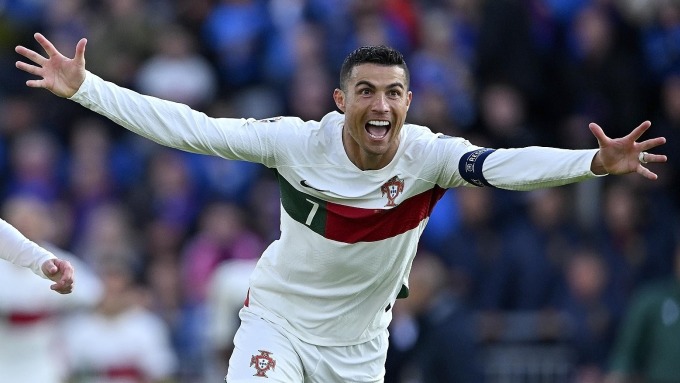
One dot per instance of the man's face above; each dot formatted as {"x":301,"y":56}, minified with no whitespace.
{"x":375,"y":103}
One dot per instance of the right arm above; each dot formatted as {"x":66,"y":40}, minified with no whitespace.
{"x":176,"y":125}
{"x":167,"y":123}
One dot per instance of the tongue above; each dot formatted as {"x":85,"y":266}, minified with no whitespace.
{"x":377,"y":131}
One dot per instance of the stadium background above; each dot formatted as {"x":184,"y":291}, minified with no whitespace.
{"x":545,"y":277}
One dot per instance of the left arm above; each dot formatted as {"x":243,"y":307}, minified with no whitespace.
{"x":539,"y":167}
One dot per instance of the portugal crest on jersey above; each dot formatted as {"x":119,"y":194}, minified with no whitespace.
{"x":262,"y":363}
{"x":392,"y":189}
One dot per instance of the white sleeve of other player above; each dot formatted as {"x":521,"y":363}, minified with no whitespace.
{"x":21,"y":251}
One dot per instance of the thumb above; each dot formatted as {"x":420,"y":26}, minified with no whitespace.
{"x":49,"y":267}
{"x":598,"y":133}
{"x":80,"y":51}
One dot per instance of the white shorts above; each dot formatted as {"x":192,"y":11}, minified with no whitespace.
{"x":263,"y":351}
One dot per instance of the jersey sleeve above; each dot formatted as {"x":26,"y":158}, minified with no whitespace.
{"x":464,"y":164}
{"x":177,"y":126}
{"x":537,"y":167}
{"x":21,"y":251}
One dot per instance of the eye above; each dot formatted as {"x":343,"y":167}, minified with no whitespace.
{"x":365,"y":92}
{"x":394,"y":93}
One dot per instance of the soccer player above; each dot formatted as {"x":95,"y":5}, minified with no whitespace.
{"x":357,"y":189}
{"x":21,"y":251}
{"x":31,"y":314}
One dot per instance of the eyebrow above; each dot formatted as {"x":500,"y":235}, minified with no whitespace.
{"x":370,"y":85}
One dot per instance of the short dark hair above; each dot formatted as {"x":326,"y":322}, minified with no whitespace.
{"x":377,"y":54}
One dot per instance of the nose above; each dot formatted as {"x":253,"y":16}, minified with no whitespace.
{"x":380,"y":103}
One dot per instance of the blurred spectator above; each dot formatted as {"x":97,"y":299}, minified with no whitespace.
{"x":661,"y":39}
{"x":528,"y":275}
{"x":592,"y":313}
{"x":19,"y":115}
{"x":475,"y":248}
{"x":222,"y":235}
{"x":282,"y":53}
{"x":636,"y":245}
{"x":29,"y":311}
{"x":122,"y":34}
{"x":35,"y":165}
{"x":236,"y":32}
{"x":310,"y":82}
{"x":502,"y":115}
{"x":647,"y":346}
{"x":334,"y":17}
{"x":564,"y":11}
{"x":162,"y":276}
{"x":505,"y":49}
{"x":28,"y":12}
{"x":220,"y":179}
{"x":109,"y":235}
{"x":169,"y":194}
{"x":120,"y":341}
{"x":441,"y":76}
{"x":376,"y":22}
{"x":593,"y":68}
{"x":264,"y":205}
{"x":444,"y":221}
{"x":66,"y":22}
{"x":226,"y":292}
{"x":194,"y":80}
{"x":90,"y":179}
{"x":309,"y":89}
{"x":667,"y":122}
{"x":434,"y":330}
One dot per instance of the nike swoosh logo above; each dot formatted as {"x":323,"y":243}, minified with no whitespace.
{"x":306,"y":185}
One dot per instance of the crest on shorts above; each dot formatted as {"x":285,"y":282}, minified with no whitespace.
{"x":262,"y":363}
{"x":392,"y":189}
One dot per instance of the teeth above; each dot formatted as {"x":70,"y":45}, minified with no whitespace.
{"x":379,"y":123}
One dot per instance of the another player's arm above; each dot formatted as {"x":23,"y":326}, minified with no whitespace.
{"x":21,"y":251}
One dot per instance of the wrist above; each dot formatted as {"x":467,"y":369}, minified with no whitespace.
{"x":596,"y":166}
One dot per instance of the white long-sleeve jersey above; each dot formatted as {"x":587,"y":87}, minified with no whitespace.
{"x":21,"y":251}
{"x":348,"y":236}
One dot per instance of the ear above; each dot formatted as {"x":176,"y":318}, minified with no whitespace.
{"x":339,"y":97}
{"x":409,"y":98}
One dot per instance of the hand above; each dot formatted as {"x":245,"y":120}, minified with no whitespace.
{"x":61,"y":272}
{"x":60,"y":75}
{"x":621,"y":155}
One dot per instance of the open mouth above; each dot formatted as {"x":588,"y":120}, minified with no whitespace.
{"x":377,"y":129}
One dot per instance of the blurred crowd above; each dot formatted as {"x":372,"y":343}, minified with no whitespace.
{"x":171,"y":234}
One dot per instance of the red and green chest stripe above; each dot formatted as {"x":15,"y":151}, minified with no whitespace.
{"x":350,"y":224}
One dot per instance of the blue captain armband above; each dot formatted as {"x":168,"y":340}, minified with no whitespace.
{"x":470,"y":166}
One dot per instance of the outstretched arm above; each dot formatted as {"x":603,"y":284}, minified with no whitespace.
{"x":167,"y":123}
{"x":59,"y":74}
{"x":625,"y":155}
